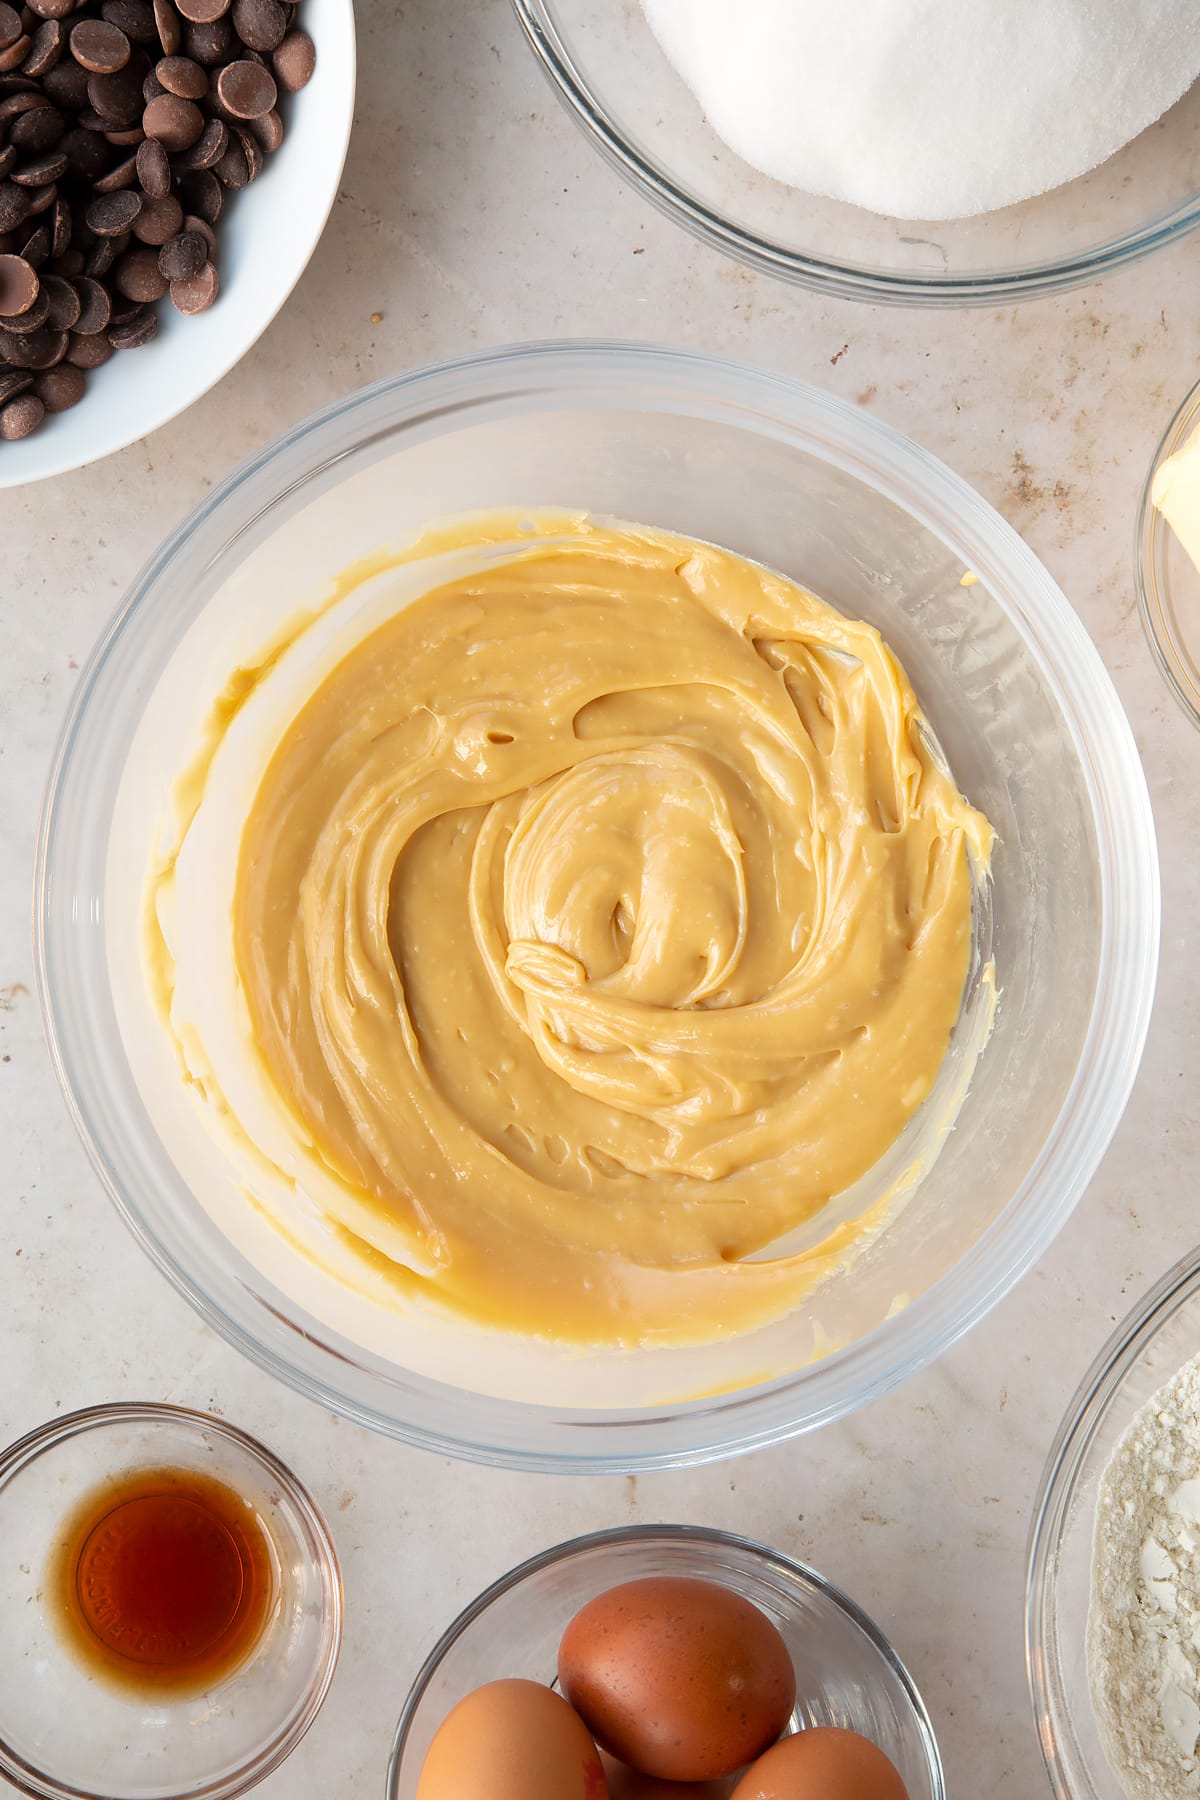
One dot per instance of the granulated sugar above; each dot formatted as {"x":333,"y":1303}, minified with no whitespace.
{"x":930,"y":109}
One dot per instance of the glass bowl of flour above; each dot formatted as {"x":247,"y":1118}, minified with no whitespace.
{"x":945,"y":152}
{"x":1113,"y":1598}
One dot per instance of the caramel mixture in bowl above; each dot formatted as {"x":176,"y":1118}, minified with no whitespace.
{"x":600,"y":916}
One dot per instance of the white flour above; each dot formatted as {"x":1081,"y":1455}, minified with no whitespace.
{"x":930,"y":109}
{"x":1144,"y":1622}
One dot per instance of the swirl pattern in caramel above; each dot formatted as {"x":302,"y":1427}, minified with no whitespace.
{"x":600,"y":917}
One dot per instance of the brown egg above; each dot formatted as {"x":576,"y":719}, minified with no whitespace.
{"x":625,"y":1783}
{"x":682,"y":1679}
{"x":512,"y":1740}
{"x":822,"y":1763}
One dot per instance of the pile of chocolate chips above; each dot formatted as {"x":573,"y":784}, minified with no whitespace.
{"x":124,"y":124}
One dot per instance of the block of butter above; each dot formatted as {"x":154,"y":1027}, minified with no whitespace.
{"x":1176,"y":494}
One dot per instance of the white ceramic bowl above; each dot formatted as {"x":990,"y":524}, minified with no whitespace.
{"x":264,"y":242}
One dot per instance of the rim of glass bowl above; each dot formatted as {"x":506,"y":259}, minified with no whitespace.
{"x":1081,"y":1421}
{"x":1151,"y":546}
{"x":788,"y":1566}
{"x":850,"y":281}
{"x":241,"y":1303}
{"x":17,"y":1456}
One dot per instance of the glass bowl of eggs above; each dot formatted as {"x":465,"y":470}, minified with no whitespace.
{"x":845,"y":154}
{"x":631,"y":1659}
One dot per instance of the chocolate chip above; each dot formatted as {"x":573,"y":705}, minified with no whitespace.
{"x":85,"y":153}
{"x":43,"y":169}
{"x":203,"y":12}
{"x":203,"y":194}
{"x":21,"y":416}
{"x":175,"y":123}
{"x":88,"y":352}
{"x":8,"y":157}
{"x":29,"y":350}
{"x":15,"y":55}
{"x":41,"y":197}
{"x":117,"y":98}
{"x":14,"y":381}
{"x":137,"y":329}
{"x":121,"y":175}
{"x":134,"y":17}
{"x":99,"y":47}
{"x":45,"y":47}
{"x":13,"y":105}
{"x":33,"y":318}
{"x":63,"y":303}
{"x":246,"y":91}
{"x":37,"y":130}
{"x":203,"y":229}
{"x":66,"y":85}
{"x":197,"y":293}
{"x":19,"y":286}
{"x":294,"y":61}
{"x":137,"y":276}
{"x":95,"y":307}
{"x":102,"y":255}
{"x":268,"y":131}
{"x":180,"y":75}
{"x":232,"y":169}
{"x":54,"y":347}
{"x":14,"y":206}
{"x":10,"y":25}
{"x":169,"y":26}
{"x":252,"y":151}
{"x":112,"y":214}
{"x":53,"y":9}
{"x":184,"y":256}
{"x":211,"y":43}
{"x":260,"y":24}
{"x":60,"y":227}
{"x":36,"y":248}
{"x":60,"y":387}
{"x":208,"y":149}
{"x":158,"y":220}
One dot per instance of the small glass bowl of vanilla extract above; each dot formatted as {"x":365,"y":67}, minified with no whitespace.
{"x":170,"y":1608}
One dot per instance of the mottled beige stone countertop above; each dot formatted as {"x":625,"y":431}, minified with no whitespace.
{"x":472,"y":213}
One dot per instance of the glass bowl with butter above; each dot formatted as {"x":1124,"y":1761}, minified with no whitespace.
{"x":483,"y":807}
{"x":1168,"y":555}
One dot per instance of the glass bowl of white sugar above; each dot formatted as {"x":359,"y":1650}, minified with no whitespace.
{"x":1028,"y":150}
{"x":1113,"y":1598}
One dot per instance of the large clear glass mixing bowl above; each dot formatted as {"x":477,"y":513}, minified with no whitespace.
{"x":778,"y":472}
